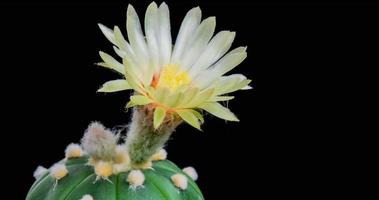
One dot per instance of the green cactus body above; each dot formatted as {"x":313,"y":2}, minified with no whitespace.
{"x":80,"y":181}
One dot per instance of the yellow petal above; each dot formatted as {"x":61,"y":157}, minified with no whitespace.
{"x":189,"y":117}
{"x":218,"y":110}
{"x":159,"y":115}
{"x":140,"y":100}
{"x":115,"y":86}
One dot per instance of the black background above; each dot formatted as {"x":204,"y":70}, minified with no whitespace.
{"x":283,"y":146}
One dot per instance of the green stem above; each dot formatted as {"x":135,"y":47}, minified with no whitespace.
{"x":142,"y":139}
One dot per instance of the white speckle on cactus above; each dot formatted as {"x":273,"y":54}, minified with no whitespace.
{"x":103,"y":169}
{"x":191,"y":172}
{"x":73,"y":151}
{"x":58,"y":171}
{"x":99,"y":142}
{"x":136,"y":179}
{"x":160,"y":155}
{"x":39,"y":171}
{"x":180,"y":181}
{"x":87,"y":197}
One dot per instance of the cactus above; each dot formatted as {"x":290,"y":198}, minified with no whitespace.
{"x":171,"y":86}
{"x":101,"y":169}
{"x":81,"y":181}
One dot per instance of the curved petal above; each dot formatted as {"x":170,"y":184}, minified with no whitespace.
{"x":225,"y":64}
{"x":219,"y":111}
{"x":108,"y":33}
{"x":189,"y":117}
{"x":228,"y":84}
{"x":200,"y":98}
{"x":111,"y":63}
{"x":115,"y":86}
{"x":165,"y":42}
{"x":137,"y":40}
{"x":198,"y":43}
{"x":152,"y":34}
{"x":189,"y":25}
{"x":216,"y":48}
{"x":140,"y":100}
{"x":221,"y":98}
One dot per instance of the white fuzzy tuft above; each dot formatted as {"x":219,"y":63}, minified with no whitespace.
{"x":121,"y":160}
{"x":73,"y":151}
{"x":145,"y":165}
{"x":39,"y":171}
{"x":160,"y":155}
{"x":118,"y":168}
{"x":87,"y":197}
{"x":103,"y":169}
{"x":122,"y":155}
{"x":99,"y":142}
{"x":58,"y":171}
{"x":191,"y":172}
{"x":180,"y":181}
{"x":136,"y":179}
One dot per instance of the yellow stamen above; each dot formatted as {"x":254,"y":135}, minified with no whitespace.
{"x":171,"y":77}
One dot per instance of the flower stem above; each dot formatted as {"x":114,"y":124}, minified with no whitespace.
{"x":142,"y":139}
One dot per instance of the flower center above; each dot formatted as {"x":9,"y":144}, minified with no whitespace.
{"x":172,"y":77}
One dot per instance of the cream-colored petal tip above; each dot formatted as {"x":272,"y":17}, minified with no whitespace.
{"x":87,"y":197}
{"x":191,"y":172}
{"x":136,"y":178}
{"x":180,"y":181}
{"x":39,"y":171}
{"x":58,"y":171}
{"x":73,"y":151}
{"x":160,"y":155}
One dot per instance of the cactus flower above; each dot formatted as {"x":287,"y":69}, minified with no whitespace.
{"x":181,"y":79}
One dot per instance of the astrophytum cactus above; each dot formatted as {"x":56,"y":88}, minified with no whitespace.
{"x":171,"y":84}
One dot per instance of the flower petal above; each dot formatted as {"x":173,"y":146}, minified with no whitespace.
{"x":152,"y":33}
{"x":189,"y":117}
{"x":136,"y":38}
{"x":112,"y":63}
{"x":198,"y":43}
{"x":189,"y":25}
{"x":140,"y":100}
{"x":225,"y":64}
{"x":173,"y":99}
{"x":119,"y":52}
{"x":228,"y":84}
{"x":108,"y":33}
{"x":228,"y":62}
{"x":159,"y":115}
{"x":122,"y":43}
{"x":200,"y":98}
{"x":221,"y":98}
{"x":219,"y":111}
{"x":161,"y":94}
{"x":198,"y":115}
{"x":165,"y":42}
{"x":115,"y":86}
{"x":188,"y":96}
{"x":216,"y":48}
{"x":132,"y":73}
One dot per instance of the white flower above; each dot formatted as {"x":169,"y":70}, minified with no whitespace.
{"x":182,"y":79}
